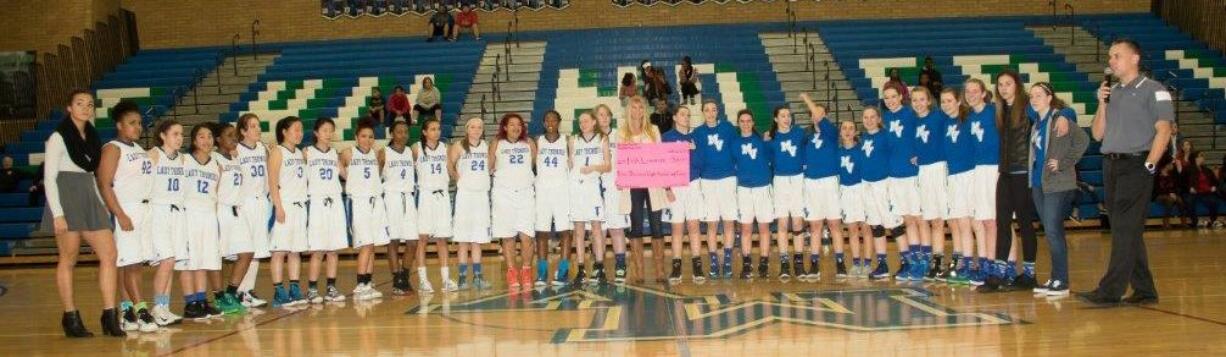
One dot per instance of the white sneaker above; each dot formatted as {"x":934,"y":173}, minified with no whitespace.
{"x":129,"y":326}
{"x":163,"y":317}
{"x":250,"y":300}
{"x":1042,"y":289}
{"x":334,"y":295}
{"x":450,"y":286}
{"x":314,"y":298}
{"x":145,"y":321}
{"x":359,"y":292}
{"x":1057,"y":288}
{"x":373,"y":293}
{"x":423,"y":285}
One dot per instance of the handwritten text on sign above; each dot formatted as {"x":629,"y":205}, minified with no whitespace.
{"x":652,"y":165}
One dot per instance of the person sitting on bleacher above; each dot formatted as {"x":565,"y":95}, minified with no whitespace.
{"x":1166,"y":194}
{"x":398,"y":106}
{"x":428,"y":101}
{"x":378,"y":114}
{"x":9,"y":177}
{"x":440,"y":25}
{"x":466,"y":19}
{"x":1202,"y":188}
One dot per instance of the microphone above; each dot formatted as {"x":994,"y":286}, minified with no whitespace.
{"x":1109,"y":80}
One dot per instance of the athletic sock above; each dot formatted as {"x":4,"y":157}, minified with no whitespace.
{"x":161,"y":300}
{"x":445,"y":271}
{"x":620,"y":259}
{"x":477,"y":269}
{"x":331,"y":282}
{"x":817,"y":258}
{"x":140,"y":306}
{"x":313,"y":285}
{"x":542,"y":267}
{"x":125,"y":305}
{"x":189,"y":298}
{"x":232,"y":290}
{"x":727,"y":254}
{"x":200,"y":296}
{"x":421,"y":273}
{"x":293,"y":283}
{"x":714,"y":258}
{"x":1028,"y":269}
{"x":855,"y":261}
{"x":463,"y":270}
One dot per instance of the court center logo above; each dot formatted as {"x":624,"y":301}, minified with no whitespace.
{"x":630,"y":313}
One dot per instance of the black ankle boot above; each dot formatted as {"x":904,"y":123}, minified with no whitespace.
{"x":73,"y":327}
{"x":110,"y":323}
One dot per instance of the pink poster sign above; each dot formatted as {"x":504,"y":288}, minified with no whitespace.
{"x":652,"y":165}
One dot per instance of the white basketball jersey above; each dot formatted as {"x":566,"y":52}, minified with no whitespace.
{"x":432,"y":168}
{"x":587,"y":152}
{"x":293,"y":179}
{"x":254,"y":162}
{"x":231,"y":182}
{"x":200,"y":186}
{"x":398,"y":171}
{"x":551,"y":163}
{"x":363,"y":171}
{"x":323,"y":173}
{"x":473,"y":168}
{"x":167,"y":179}
{"x":133,"y":173}
{"x":514,"y":168}
{"x":608,"y":176}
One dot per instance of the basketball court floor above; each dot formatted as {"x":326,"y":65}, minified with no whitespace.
{"x":721,"y":318}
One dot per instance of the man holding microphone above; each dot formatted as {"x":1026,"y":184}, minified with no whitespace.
{"x":1133,"y":121}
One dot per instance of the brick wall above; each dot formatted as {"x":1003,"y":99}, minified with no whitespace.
{"x":167,"y":24}
{"x":44,"y":24}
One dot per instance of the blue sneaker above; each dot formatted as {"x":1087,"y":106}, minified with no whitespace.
{"x":919,"y":269}
{"x":295,"y":295}
{"x":561,"y":277}
{"x":977,"y":276}
{"x":280,"y":297}
{"x":882,"y":272}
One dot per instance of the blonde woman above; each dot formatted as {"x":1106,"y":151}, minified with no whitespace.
{"x":638,"y":202}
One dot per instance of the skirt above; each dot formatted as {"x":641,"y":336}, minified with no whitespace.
{"x":81,"y":203}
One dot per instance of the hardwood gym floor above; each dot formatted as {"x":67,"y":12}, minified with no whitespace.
{"x":727,"y":317}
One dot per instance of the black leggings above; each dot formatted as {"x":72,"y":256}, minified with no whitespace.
{"x":640,"y":202}
{"x":1013,"y":195}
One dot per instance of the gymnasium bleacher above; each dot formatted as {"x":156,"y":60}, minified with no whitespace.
{"x":583,"y":68}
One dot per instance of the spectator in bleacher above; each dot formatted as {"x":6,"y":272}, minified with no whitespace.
{"x":75,"y":213}
{"x":689,"y":81}
{"x":1167,"y":194}
{"x":1184,"y":155}
{"x":378,"y":112}
{"x":657,"y":87}
{"x":935,"y":83}
{"x":663,"y":117}
{"x":8,"y":176}
{"x":1202,"y":189}
{"x":398,"y":106}
{"x":628,"y":88}
{"x":429,"y":101}
{"x":440,"y":25}
{"x":466,"y":19}
{"x":897,"y":83}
